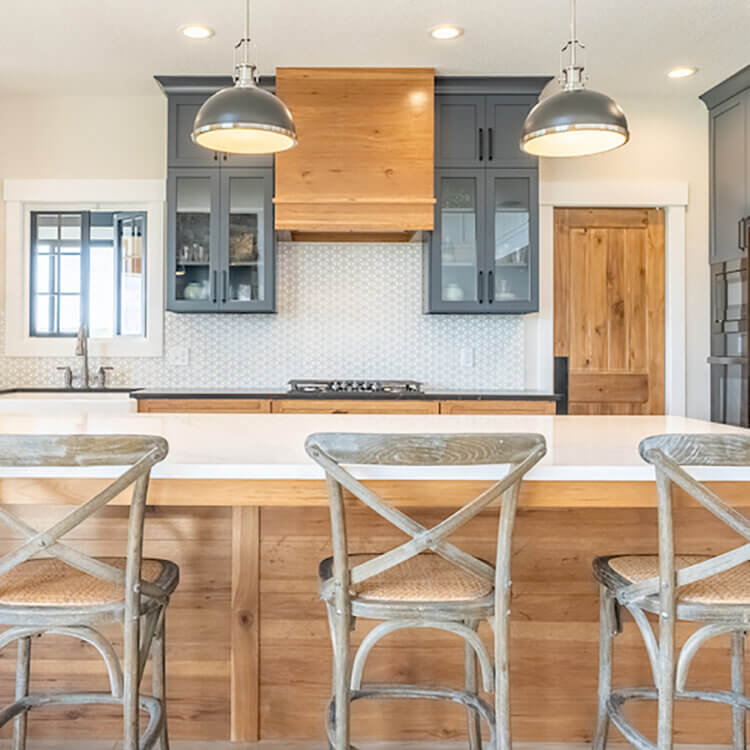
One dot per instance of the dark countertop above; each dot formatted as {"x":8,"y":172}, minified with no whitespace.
{"x":272,"y":393}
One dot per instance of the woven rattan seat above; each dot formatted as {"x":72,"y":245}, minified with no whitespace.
{"x":49,"y":582}
{"x":424,"y":578}
{"x":729,"y":587}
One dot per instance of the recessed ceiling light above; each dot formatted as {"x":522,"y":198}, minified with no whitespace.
{"x":196,"y":31}
{"x":683,"y":71}
{"x":446,"y":31}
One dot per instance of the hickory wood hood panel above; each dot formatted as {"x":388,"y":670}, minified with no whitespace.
{"x":364,"y":162}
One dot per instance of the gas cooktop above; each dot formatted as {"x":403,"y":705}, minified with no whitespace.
{"x":355,"y":387}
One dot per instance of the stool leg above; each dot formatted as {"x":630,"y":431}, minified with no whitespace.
{"x":607,"y":630}
{"x":472,"y":685}
{"x":340,"y":628}
{"x":159,"y":678}
{"x":23,"y":664}
{"x":739,"y":741}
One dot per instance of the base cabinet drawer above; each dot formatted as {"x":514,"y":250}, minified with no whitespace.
{"x":345,"y":406}
{"x":204,"y":406}
{"x":497,"y":407}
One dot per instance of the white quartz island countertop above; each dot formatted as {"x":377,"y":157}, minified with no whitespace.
{"x":271,"y":446}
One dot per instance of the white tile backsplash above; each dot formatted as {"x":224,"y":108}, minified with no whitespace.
{"x":343,"y":310}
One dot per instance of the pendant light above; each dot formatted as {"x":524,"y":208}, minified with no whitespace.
{"x":574,"y":122}
{"x":244,"y":119}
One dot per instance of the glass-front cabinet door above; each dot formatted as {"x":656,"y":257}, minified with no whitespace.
{"x":457,"y":277}
{"x":512,"y":226}
{"x":193,"y":273}
{"x":246,"y":241}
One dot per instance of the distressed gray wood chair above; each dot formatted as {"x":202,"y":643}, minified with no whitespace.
{"x":713,"y":591}
{"x":47,"y":586}
{"x":426,"y":582}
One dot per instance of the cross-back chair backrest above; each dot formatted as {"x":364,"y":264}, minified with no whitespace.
{"x":334,"y":450}
{"x":669,"y":454}
{"x":136,"y":452}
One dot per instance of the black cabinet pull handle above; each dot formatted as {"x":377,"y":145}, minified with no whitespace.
{"x":747,"y":233}
{"x":490,"y":287}
{"x":740,"y":233}
{"x":480,"y":291}
{"x":216,"y":156}
{"x":481,"y":144}
{"x":225,"y":280}
{"x":213,"y":287}
{"x":490,"y":146}
{"x":225,"y":157}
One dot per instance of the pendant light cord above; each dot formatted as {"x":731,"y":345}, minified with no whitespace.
{"x":573,"y":36}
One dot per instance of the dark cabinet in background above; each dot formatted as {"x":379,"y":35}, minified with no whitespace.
{"x":484,"y":253}
{"x":220,"y":238}
{"x":729,"y":242}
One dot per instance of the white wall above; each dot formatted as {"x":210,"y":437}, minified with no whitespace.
{"x":669,"y":142}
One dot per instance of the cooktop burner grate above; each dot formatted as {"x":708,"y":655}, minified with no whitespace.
{"x":395,"y":387}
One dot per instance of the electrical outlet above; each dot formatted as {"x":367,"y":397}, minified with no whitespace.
{"x":467,"y":356}
{"x":178,"y":356}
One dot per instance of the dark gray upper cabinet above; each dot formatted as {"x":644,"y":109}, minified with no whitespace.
{"x":483,"y":256}
{"x":183,"y":152}
{"x":481,"y":131}
{"x":505,"y":118}
{"x":220,"y":237}
{"x":220,"y":242}
{"x":729,"y":177}
{"x":460,"y":124}
{"x":729,"y":156}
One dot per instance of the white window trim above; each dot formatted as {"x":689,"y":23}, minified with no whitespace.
{"x":21,"y":197}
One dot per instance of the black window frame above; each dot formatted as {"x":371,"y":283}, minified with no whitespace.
{"x":85,"y":243}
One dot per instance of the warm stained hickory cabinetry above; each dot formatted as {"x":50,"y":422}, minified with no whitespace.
{"x":483,"y":257}
{"x":220,"y":239}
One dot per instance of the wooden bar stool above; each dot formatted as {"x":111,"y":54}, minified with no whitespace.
{"x":713,"y":591}
{"x":47,"y":586}
{"x":426,"y":582}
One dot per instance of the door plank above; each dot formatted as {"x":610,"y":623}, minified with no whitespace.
{"x":579,"y":346}
{"x":596,"y":283}
{"x":588,"y":387}
{"x":635,"y":270}
{"x":562,"y":284}
{"x":608,"y":218}
{"x":618,"y":334}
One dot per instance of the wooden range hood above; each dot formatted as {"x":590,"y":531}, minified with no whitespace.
{"x":364,"y":163}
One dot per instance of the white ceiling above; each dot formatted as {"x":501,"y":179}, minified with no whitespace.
{"x":116,"y":46}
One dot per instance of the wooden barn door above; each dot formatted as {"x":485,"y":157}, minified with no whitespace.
{"x":609,"y":308}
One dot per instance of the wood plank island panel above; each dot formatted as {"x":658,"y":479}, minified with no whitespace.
{"x":555,"y":631}
{"x":199,"y":540}
{"x":554,"y":628}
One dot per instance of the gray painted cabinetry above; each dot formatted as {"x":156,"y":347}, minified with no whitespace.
{"x":484,"y":253}
{"x":220,"y":238}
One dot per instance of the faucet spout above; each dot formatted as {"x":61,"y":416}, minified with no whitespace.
{"x":82,"y":350}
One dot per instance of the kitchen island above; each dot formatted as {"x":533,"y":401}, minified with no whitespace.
{"x":238,"y":504}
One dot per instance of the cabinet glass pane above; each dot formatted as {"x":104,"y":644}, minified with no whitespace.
{"x":458,"y":239}
{"x":246,"y":251}
{"x":192,"y":238}
{"x":512,"y":272}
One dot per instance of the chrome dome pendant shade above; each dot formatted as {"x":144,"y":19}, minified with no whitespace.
{"x":244,"y":119}
{"x":575,"y":121}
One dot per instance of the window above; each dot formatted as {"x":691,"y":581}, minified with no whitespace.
{"x":88,"y":268}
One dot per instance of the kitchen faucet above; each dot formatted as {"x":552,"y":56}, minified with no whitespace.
{"x":82,"y":350}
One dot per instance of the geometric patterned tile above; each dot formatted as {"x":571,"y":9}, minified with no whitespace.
{"x":343,"y":310}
